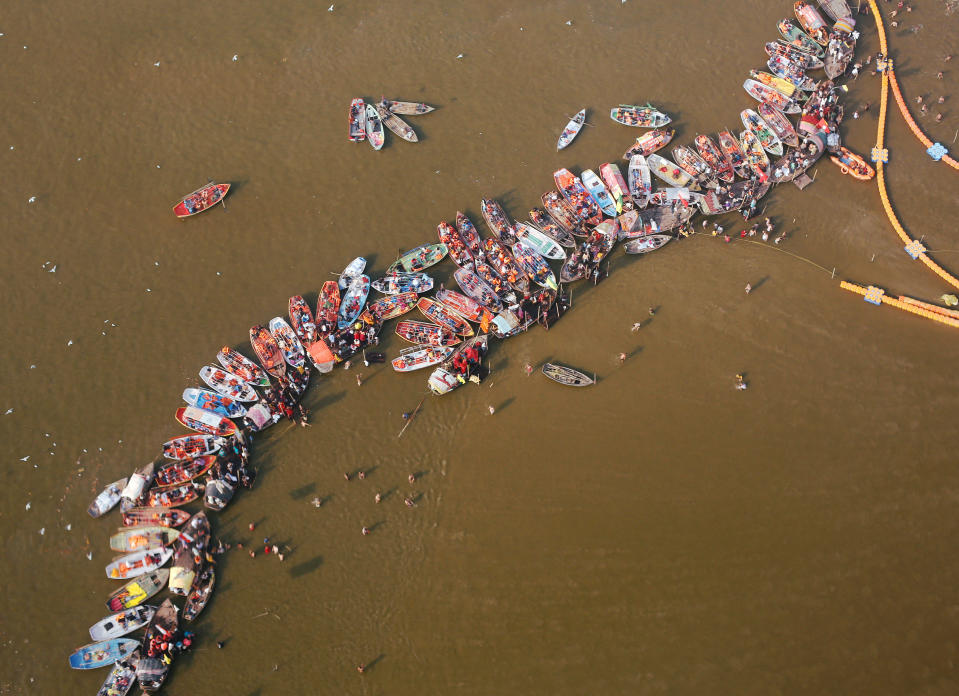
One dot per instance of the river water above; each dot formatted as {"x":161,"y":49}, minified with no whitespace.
{"x":660,"y":532}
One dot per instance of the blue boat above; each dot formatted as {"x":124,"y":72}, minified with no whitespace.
{"x":103,"y":653}
{"x":354,"y":299}
{"x":533,"y":265}
{"x":211,"y":401}
{"x":598,"y":192}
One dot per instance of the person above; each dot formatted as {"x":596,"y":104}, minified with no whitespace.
{"x":749,"y":288}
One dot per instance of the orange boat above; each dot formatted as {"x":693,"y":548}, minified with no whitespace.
{"x":203,"y":198}
{"x":852,"y":164}
{"x":267,"y":350}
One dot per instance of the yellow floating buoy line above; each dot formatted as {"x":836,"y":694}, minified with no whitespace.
{"x":877,"y":296}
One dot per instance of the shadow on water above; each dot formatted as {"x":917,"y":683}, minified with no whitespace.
{"x":303,"y":491}
{"x":327,"y":400}
{"x":505,"y":404}
{"x":301,"y":569}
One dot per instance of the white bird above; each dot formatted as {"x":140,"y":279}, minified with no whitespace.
{"x":23,"y":459}
{"x":89,"y":555}
{"x":29,"y":505}
{"x":569,"y":22}
{"x":32,"y":199}
{"x":157,"y":64}
{"x":43,"y":531}
{"x":330,"y":8}
{"x":236,"y":57}
{"x":8,"y":412}
{"x":460,"y":55}
{"x":70,"y":342}
{"x":69,"y":527}
{"x":53,"y":270}
{"x":637,"y":326}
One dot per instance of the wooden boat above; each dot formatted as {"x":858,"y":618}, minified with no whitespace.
{"x":130,"y":539}
{"x":644,"y":245}
{"x":202,"y":199}
{"x":192,"y":545}
{"x":673,"y":194}
{"x":205,"y":421}
{"x":574,"y":269}
{"x":423,"y":334}
{"x":197,"y":532}
{"x":643,"y":224}
{"x":539,"y":242}
{"x":669,"y":172}
{"x":810,"y":20}
{"x":567,"y":375}
{"x":493,"y":279}
{"x":138,"y":563}
{"x":406,"y":108}
{"x":289,"y":344}
{"x":122,"y":677}
{"x":178,"y":472}
{"x":779,"y":124}
{"x":211,"y":401}
{"x":121,"y":623}
{"x":392,"y":306}
{"x":189,"y":446}
{"x":779,"y":84}
{"x":499,"y":222}
{"x":836,"y":9}
{"x":732,"y":198}
{"x":301,"y":316}
{"x":640,"y":182}
{"x":151,"y":671}
{"x":599,"y":193}
{"x":353,"y":269}
{"x":712,"y":155}
{"x":572,"y":129}
{"x":374,"y":127}
{"x":762,"y":93}
{"x":327,"y":306}
{"x":601,"y":240}
{"x":840,"y":52}
{"x":418,"y":357}
{"x":468,"y":233}
{"x":357,"y":130}
{"x":784,"y":69}
{"x":199,"y":594}
{"x":354,"y":299}
{"x":796,"y":38}
{"x":444,"y":316}
{"x":477,"y":289}
{"x":174,"y":497}
{"x":755,"y":155}
{"x":533,"y":265}
{"x":227,"y":384}
{"x":767,"y":138}
{"x":852,"y":164}
{"x":458,"y":251}
{"x":504,"y":264}
{"x":396,"y":124}
{"x":639,"y":116}
{"x":695,"y":166}
{"x":164,"y":517}
{"x":103,"y":653}
{"x":650,"y":142}
{"x":242,"y":367}
{"x":544,"y":223}
{"x":583,"y":205}
{"x":132,"y":494}
{"x":616,"y":185}
{"x":445,"y":378}
{"x":138,"y":590}
{"x":400,"y":283}
{"x":419,"y":258}
{"x":107,"y":498}
{"x":267,"y":350}
{"x":733,"y":153}
{"x":799,"y":58}
{"x":321,"y":356}
{"x":464,"y":306}
{"x":562,"y":213}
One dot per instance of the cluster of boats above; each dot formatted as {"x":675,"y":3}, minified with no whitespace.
{"x":369,"y":121}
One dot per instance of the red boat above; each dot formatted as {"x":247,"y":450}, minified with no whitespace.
{"x":200,"y":200}
{"x":458,"y":251}
{"x":302,"y":318}
{"x":267,"y":350}
{"x":423,"y":334}
{"x":328,"y":306}
{"x":578,"y":197}
{"x":205,"y":421}
{"x":179,"y":472}
{"x":468,"y":233}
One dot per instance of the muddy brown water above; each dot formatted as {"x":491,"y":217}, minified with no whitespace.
{"x":657,"y":533}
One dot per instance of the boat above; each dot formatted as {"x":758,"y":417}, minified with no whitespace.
{"x":396,"y":124}
{"x":493,"y":279}
{"x":374,"y":127}
{"x":151,"y":670}
{"x":644,"y":245}
{"x":477,"y":288}
{"x":322,"y":358}
{"x":241,"y":366}
{"x":392,"y":306}
{"x":136,"y":487}
{"x":499,"y":222}
{"x":635,"y":224}
{"x":794,"y":56}
{"x":406,"y":108}
{"x":572,"y":130}
{"x":504,"y":264}
{"x":423,"y":334}
{"x":640,"y":181}
{"x":400,"y":283}
{"x":732,"y":198}
{"x":574,"y":269}
{"x":189,"y":446}
{"x":121,"y":623}
{"x":601,"y":241}
{"x":544,"y":223}
{"x":353,"y":269}
{"x":199,"y":594}
{"x":841,"y":49}
{"x":695,"y":166}
{"x":357,"y":130}
{"x":178,"y":472}
{"x":562,"y":213}
{"x":130,"y":539}
{"x":567,"y":375}
{"x":227,"y":384}
{"x":211,"y":401}
{"x":267,"y":350}
{"x":669,"y":172}
{"x":762,"y":93}
{"x":779,"y":124}
{"x":779,"y":84}
{"x":101,"y":654}
{"x":191,"y":548}
{"x":464,"y":306}
{"x":639,"y":116}
{"x":458,"y":251}
{"x":767,"y":138}
{"x":533,"y":265}
{"x":327,"y":306}
{"x":196,"y":532}
{"x":852,"y":164}
{"x":445,"y":378}
{"x":444,"y":316}
{"x":138,"y":590}
{"x":579,"y":199}
{"x":107,"y":498}
{"x":289,"y":344}
{"x":468,"y":233}
{"x":539,"y":242}
{"x":810,"y":20}
{"x":156,"y":516}
{"x":837,"y":9}
{"x":755,"y":155}
{"x":599,"y":193}
{"x":202,"y":199}
{"x":790,"y":72}
{"x":733,"y":153}
{"x":205,"y":421}
{"x":650,"y":142}
{"x":138,"y":563}
{"x":616,"y":185}
{"x":672,"y":194}
{"x":798,"y":39}
{"x":418,"y":357}
{"x":712,"y":155}
{"x":301,"y":316}
{"x":174,"y":497}
{"x":353,"y":301}
{"x":122,"y":677}
{"x":419,"y":258}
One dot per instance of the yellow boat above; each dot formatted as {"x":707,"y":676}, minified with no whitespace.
{"x":777,"y":83}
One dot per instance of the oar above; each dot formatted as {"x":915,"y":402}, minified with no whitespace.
{"x":412,"y":416}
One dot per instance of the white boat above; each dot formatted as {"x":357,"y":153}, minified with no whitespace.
{"x":572,"y":130}
{"x":639,"y":180}
{"x":539,"y":242}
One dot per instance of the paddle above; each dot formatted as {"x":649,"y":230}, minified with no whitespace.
{"x":412,"y":416}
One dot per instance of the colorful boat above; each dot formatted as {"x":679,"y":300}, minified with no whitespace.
{"x":152,"y":671}
{"x":575,"y":268}
{"x":327,"y":306}
{"x":650,"y":142}
{"x":733,"y":153}
{"x":695,"y":166}
{"x":423,"y":334}
{"x":286,"y":339}
{"x":205,"y":421}
{"x":227,"y":384}
{"x":374,"y":127}
{"x":444,"y":316}
{"x":458,"y":251}
{"x":811,"y":21}
{"x":397,"y":283}
{"x":572,"y":130}
{"x":416,"y":358}
{"x":669,"y":172}
{"x":163,"y":517}
{"x":841,"y":49}
{"x":644,"y":245}
{"x":468,"y":233}
{"x":392,"y":306}
{"x":799,"y":58}
{"x":504,"y":264}
{"x":199,"y":594}
{"x":640,"y":180}
{"x":779,"y":124}
{"x":357,"y":130}
{"x":533,"y":265}
{"x":539,"y":242}
{"x":138,"y":563}
{"x":189,"y":446}
{"x":103,"y":653}
{"x":321,"y":356}
{"x":138,"y":590}
{"x":499,"y":222}
{"x":562,"y":212}
{"x":267,"y":350}
{"x":779,"y":84}
{"x":756,"y":157}
{"x":121,"y":623}
{"x":674,"y":194}
{"x":133,"y":539}
{"x":784,"y":69}
{"x":712,"y":155}
{"x":406,"y":108}
{"x":545,"y":224}
{"x":301,"y":316}
{"x":353,"y":301}
{"x":202,"y":199}
{"x":599,"y":192}
{"x":178,"y":472}
{"x":798,"y":39}
{"x":121,"y":678}
{"x":446,"y":378}
{"x":211,"y":401}
{"x":419,"y":258}
{"x":639,"y":116}
{"x":583,"y":205}
{"x":396,"y":124}
{"x":466,"y":307}
{"x":852,"y":164}
{"x":763,"y":93}
{"x":107,"y":498}
{"x":174,"y":497}
{"x":241,"y":366}
{"x":767,"y":138}
{"x":494,"y":280}
{"x":477,"y":288}
{"x":353,"y":269}
{"x":615,"y":184}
